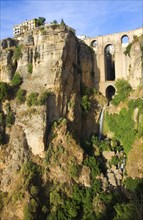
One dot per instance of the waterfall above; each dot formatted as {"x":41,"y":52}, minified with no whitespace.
{"x":101,"y":122}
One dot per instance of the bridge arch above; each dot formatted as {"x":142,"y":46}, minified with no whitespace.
{"x":124,"y":39}
{"x":94,"y":43}
{"x":109,"y":58}
{"x":110,"y":92}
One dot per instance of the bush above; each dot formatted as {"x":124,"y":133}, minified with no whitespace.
{"x":114,"y":161}
{"x":128,"y":49}
{"x":85,"y":103}
{"x":17,"y":52}
{"x":123,"y":91}
{"x":16,"y":80}
{"x":122,"y":125}
{"x":74,"y":170}
{"x":30,"y":68}
{"x":32,"y":99}
{"x":91,"y":162}
{"x":4,"y":88}
{"x":136,"y":103}
{"x":34,"y":190}
{"x":10,"y":119}
{"x":134,"y":185}
{"x":20,"y":95}
{"x":40,"y":21}
{"x":30,"y":210}
{"x":30,"y":173}
{"x":125,"y":211}
{"x":43,"y":98}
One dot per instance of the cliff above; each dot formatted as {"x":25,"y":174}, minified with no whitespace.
{"x":61,"y":65}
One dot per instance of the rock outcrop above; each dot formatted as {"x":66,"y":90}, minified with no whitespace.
{"x":13,"y":156}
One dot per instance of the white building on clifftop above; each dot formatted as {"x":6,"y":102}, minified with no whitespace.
{"x":23,"y":27}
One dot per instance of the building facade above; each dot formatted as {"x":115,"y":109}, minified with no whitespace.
{"x":23,"y":27}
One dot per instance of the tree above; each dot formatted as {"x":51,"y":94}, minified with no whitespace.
{"x":40,"y":21}
{"x":62,"y":21}
{"x":54,"y":22}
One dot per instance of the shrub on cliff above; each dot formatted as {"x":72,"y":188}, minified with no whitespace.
{"x":10,"y":119}
{"x":30,"y":68}
{"x":20,"y":95}
{"x":32,"y":99}
{"x":122,"y":125}
{"x":85,"y":104}
{"x":128,"y":49}
{"x":4,"y":88}
{"x":16,"y":80}
{"x":123,"y":91}
{"x":40,"y":21}
{"x":43,"y":97}
{"x":17,"y":52}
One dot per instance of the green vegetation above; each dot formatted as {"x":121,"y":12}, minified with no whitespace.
{"x":17,"y":52}
{"x":16,"y":80}
{"x":2,"y":197}
{"x":128,"y":49}
{"x":10,"y":119}
{"x":54,"y":22}
{"x":86,"y":99}
{"x":123,"y":91}
{"x":136,"y":39}
{"x":43,"y":97}
{"x":35,"y":99}
{"x":122,"y":125}
{"x":88,"y":91}
{"x":18,"y":196}
{"x":74,"y":170}
{"x":40,"y":21}
{"x":32,"y":99}
{"x":136,"y":103}
{"x":115,"y":161}
{"x":4,"y":89}
{"x":125,"y":211}
{"x":85,"y":104}
{"x":30,"y":67}
{"x":62,"y":22}
{"x":132,"y":207}
{"x":93,"y":165}
{"x":20,"y":96}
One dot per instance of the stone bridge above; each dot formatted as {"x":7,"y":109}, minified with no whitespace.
{"x":110,"y":62}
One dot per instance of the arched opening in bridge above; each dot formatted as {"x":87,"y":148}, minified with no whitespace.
{"x":109,"y":62}
{"x":110,"y":92}
{"x":124,"y":39}
{"x":94,"y":43}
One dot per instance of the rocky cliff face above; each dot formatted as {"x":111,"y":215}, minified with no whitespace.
{"x":55,"y":61}
{"x":60,"y":64}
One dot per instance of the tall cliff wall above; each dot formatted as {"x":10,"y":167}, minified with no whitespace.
{"x":60,"y":64}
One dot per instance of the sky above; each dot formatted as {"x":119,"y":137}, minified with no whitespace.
{"x":87,"y":17}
